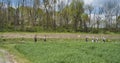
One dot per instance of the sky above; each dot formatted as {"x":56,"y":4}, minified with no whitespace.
{"x":65,"y":1}
{"x":88,"y":1}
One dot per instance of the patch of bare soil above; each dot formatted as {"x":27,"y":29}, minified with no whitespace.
{"x":6,"y":57}
{"x":58,"y":35}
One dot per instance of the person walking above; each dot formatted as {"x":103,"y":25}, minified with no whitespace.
{"x":45,"y":38}
{"x":35,"y":38}
{"x":86,"y":39}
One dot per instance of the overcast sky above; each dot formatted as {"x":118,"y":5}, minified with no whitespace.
{"x":88,"y":1}
{"x":65,"y":1}
{"x":91,"y":2}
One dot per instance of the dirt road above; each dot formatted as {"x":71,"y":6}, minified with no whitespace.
{"x":5,"y":57}
{"x":57,"y":35}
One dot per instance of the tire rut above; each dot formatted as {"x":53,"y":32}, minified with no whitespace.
{"x":5,"y":57}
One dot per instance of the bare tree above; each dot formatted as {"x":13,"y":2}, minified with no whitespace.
{"x":108,"y":7}
{"x":89,"y":9}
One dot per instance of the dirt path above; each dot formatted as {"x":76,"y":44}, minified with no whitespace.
{"x":57,"y":35}
{"x":5,"y":57}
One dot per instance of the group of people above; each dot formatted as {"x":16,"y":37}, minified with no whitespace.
{"x":95,"y":39}
{"x":35,"y":38}
{"x":86,"y":39}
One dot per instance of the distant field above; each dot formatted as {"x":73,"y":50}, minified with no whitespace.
{"x":70,"y":51}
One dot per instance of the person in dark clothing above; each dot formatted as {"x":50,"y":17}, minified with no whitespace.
{"x":35,"y":38}
{"x":86,"y":39}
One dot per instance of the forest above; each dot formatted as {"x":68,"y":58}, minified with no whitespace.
{"x":58,"y":16}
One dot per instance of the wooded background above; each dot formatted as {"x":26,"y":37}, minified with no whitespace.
{"x":58,"y":16}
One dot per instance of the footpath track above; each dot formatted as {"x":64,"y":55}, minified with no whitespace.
{"x":58,"y":35}
{"x":5,"y":57}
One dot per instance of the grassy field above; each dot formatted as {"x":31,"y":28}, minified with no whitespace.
{"x":64,"y":51}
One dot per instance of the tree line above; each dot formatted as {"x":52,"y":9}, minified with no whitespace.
{"x":57,"y":16}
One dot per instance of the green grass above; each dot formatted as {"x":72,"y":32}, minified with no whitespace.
{"x":1,"y":54}
{"x":70,"y":51}
{"x":63,"y":51}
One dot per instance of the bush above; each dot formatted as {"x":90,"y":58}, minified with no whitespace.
{"x":95,"y":31}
